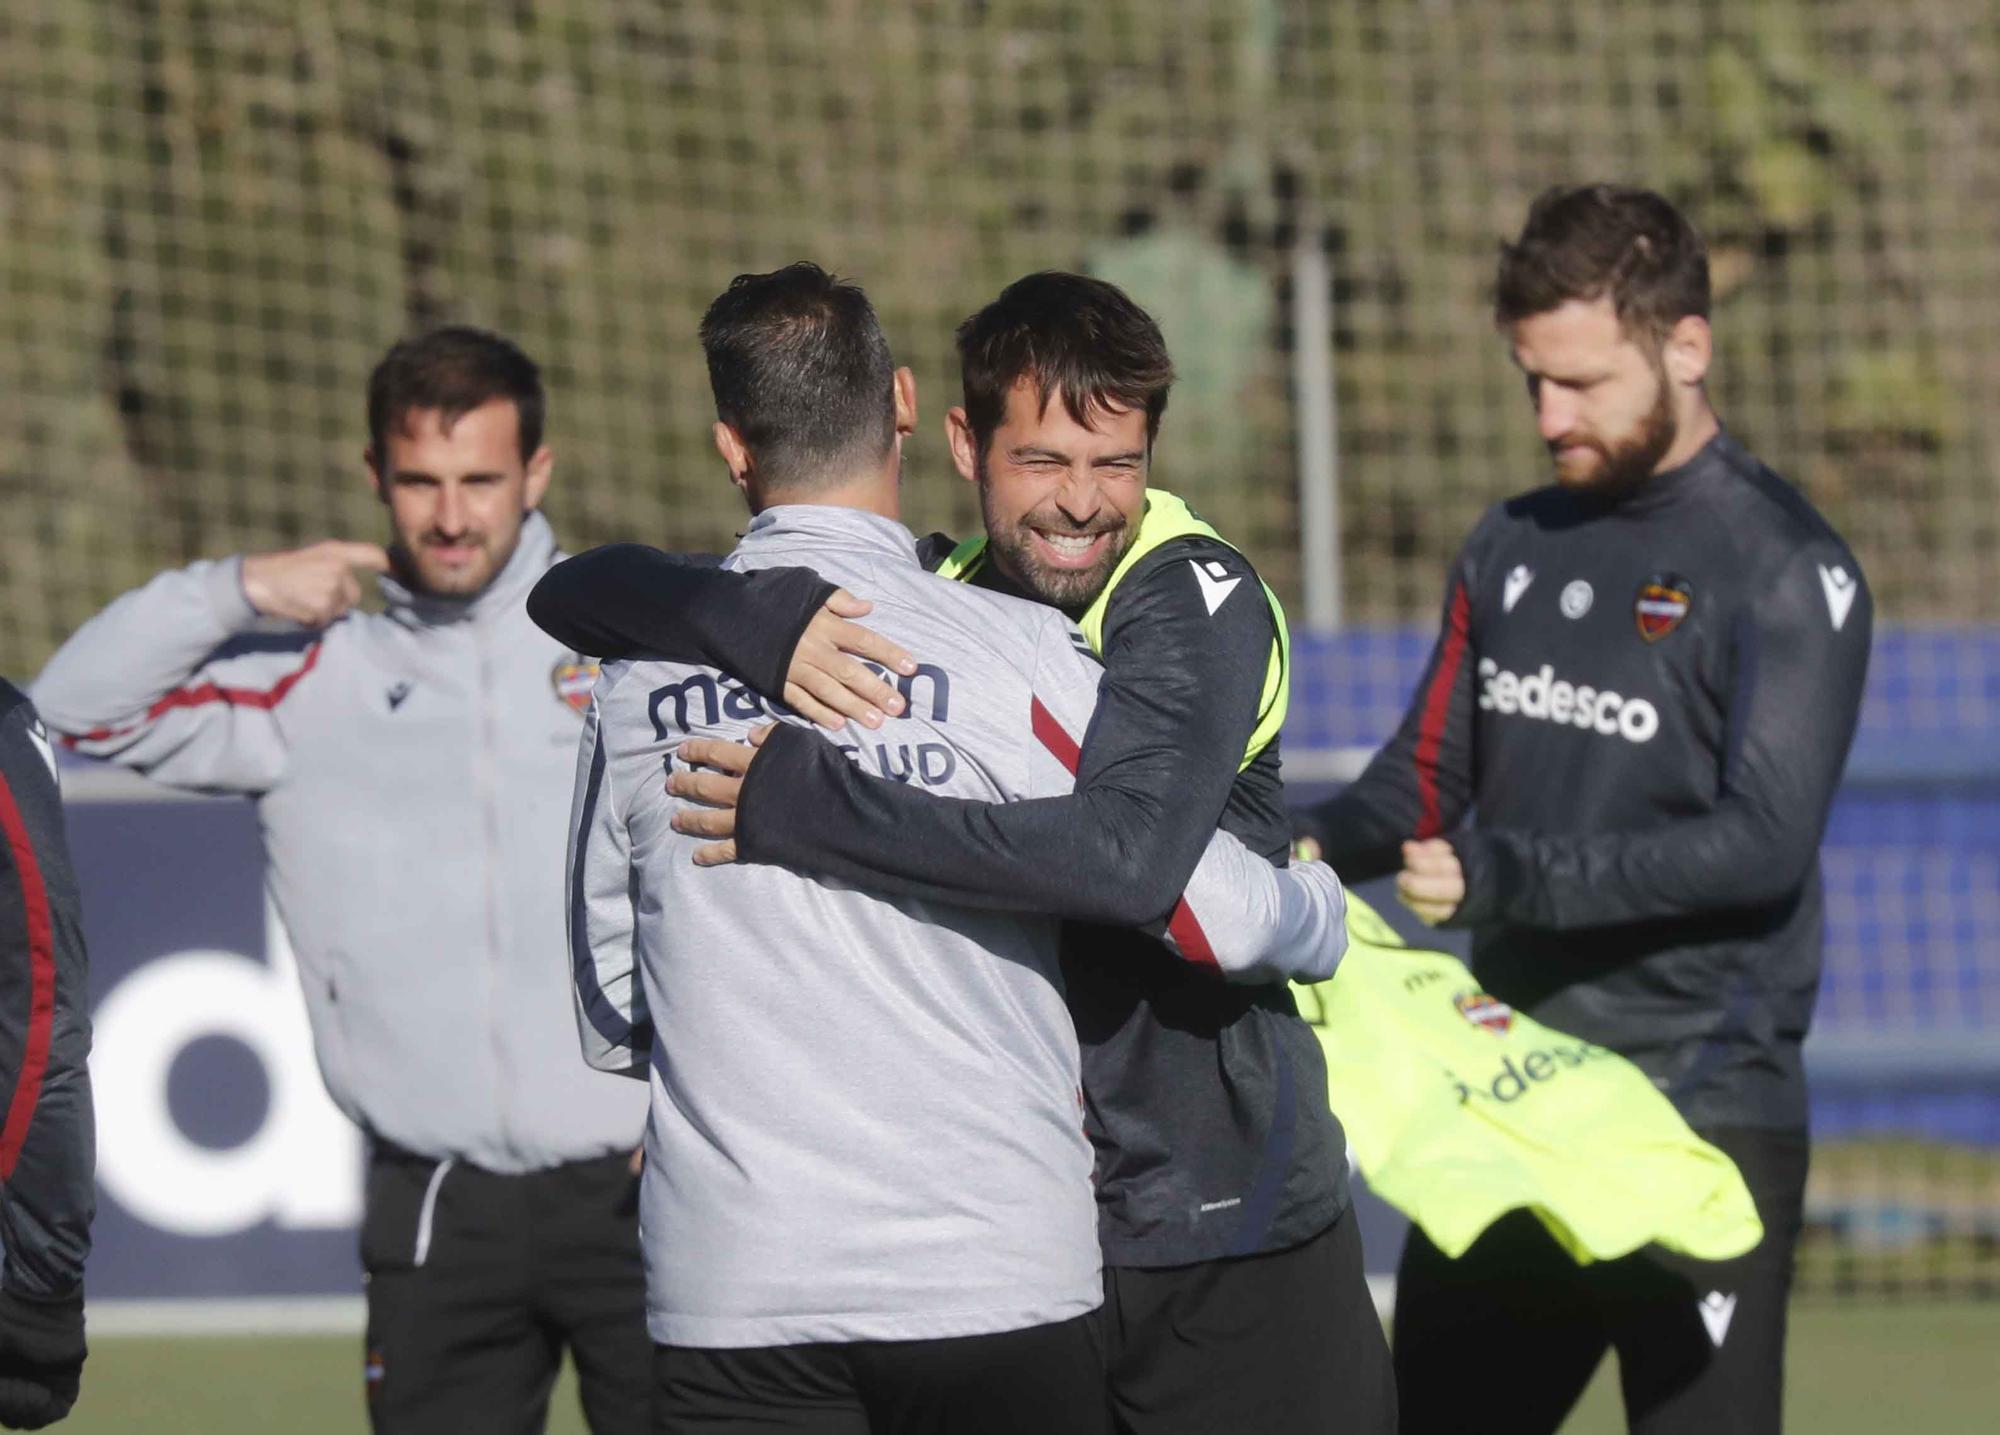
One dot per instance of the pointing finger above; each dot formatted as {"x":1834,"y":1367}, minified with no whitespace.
{"x":371,"y":556}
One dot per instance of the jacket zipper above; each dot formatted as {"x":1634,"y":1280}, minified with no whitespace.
{"x":490,"y":816}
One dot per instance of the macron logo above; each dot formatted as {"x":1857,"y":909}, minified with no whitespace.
{"x":1840,"y":589}
{"x":1517,"y":584}
{"x":1216,"y":584}
{"x":1717,"y":1310}
{"x":39,"y":736}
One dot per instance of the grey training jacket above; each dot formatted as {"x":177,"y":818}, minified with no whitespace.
{"x":411,"y":771}
{"x":867,"y":1121}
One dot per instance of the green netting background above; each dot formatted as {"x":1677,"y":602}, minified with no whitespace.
{"x":214,"y":214}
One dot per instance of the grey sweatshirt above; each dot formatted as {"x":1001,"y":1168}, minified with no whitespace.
{"x":410,"y":770}
{"x":866,"y":1115}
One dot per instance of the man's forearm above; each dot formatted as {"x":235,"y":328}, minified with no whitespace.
{"x":1258,"y":923}
{"x":142,"y":646}
{"x":1103,"y":856}
{"x":626,"y":599}
{"x":1727,"y":860}
{"x":1151,"y":775}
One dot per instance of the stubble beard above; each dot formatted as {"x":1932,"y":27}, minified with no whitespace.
{"x":1013,"y":547}
{"x":439,"y":580}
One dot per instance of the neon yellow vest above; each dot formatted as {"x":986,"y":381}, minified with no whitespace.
{"x":1166,"y":519}
{"x":1459,"y":1109}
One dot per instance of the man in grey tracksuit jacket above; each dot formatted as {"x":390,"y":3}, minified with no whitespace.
{"x":891,"y":1083}
{"x":410,"y":769}
{"x":867,"y":1198}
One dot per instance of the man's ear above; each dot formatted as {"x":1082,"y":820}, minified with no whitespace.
{"x":374,"y":474}
{"x":1689,"y":349}
{"x":964,"y":444}
{"x":541,"y":467}
{"x":906,"y":402}
{"x":735,"y":456}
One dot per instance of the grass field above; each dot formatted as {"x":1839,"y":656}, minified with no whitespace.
{"x":1854,"y":1369}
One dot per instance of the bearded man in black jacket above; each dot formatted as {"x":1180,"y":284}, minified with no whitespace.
{"x":1643,"y":692}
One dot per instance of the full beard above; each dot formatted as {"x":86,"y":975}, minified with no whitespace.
{"x":1629,"y":463}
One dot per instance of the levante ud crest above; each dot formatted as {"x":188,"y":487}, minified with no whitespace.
{"x":573,"y":679}
{"x":1664,"y":600}
{"x":1488,"y":1013}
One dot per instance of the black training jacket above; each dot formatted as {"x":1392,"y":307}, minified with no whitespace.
{"x":1206,"y":1103}
{"x":48,"y":1144}
{"x":1644,"y":707}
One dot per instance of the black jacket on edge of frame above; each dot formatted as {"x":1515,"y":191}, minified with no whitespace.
{"x":48,"y":1145}
{"x":1206,"y":1102}
{"x":1645,"y":706}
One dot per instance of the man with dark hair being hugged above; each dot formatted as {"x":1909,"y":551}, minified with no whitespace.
{"x":867,"y":1200}
{"x":1234,"y":1293}
{"x":1644,"y":690}
{"x":411,"y":773}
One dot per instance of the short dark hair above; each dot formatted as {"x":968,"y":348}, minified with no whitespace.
{"x":802,"y":371}
{"x":1065,"y":332}
{"x":1587,"y":241}
{"x":454,"y":369}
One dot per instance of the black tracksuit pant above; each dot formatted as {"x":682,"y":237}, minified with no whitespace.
{"x":477,"y":1282}
{"x":1505,"y":1338}
{"x":1282,"y":1343}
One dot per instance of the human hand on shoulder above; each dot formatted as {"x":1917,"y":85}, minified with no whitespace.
{"x":311,"y":586}
{"x":714,"y":777}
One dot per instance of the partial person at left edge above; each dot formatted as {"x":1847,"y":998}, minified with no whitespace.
{"x":47,"y":1144}
{"x":411,"y":770}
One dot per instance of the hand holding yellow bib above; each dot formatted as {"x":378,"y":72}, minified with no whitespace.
{"x":1459,"y":1109}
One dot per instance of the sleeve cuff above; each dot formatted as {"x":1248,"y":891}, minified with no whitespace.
{"x":782,"y":766}
{"x":795,"y":596}
{"x":223,"y":586}
{"x":48,"y":1331}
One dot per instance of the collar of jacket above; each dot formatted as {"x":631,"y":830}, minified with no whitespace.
{"x":806,"y":525}
{"x":508,"y":590}
{"x":1718,"y":459}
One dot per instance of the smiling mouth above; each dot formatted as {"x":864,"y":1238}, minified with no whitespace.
{"x":1071,"y":550}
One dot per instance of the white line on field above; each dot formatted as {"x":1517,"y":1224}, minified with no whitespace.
{"x":333,"y":1314}
{"x":293,"y":1315}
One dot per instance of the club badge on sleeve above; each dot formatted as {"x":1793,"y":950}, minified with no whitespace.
{"x":573,"y":679}
{"x":1664,"y":600}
